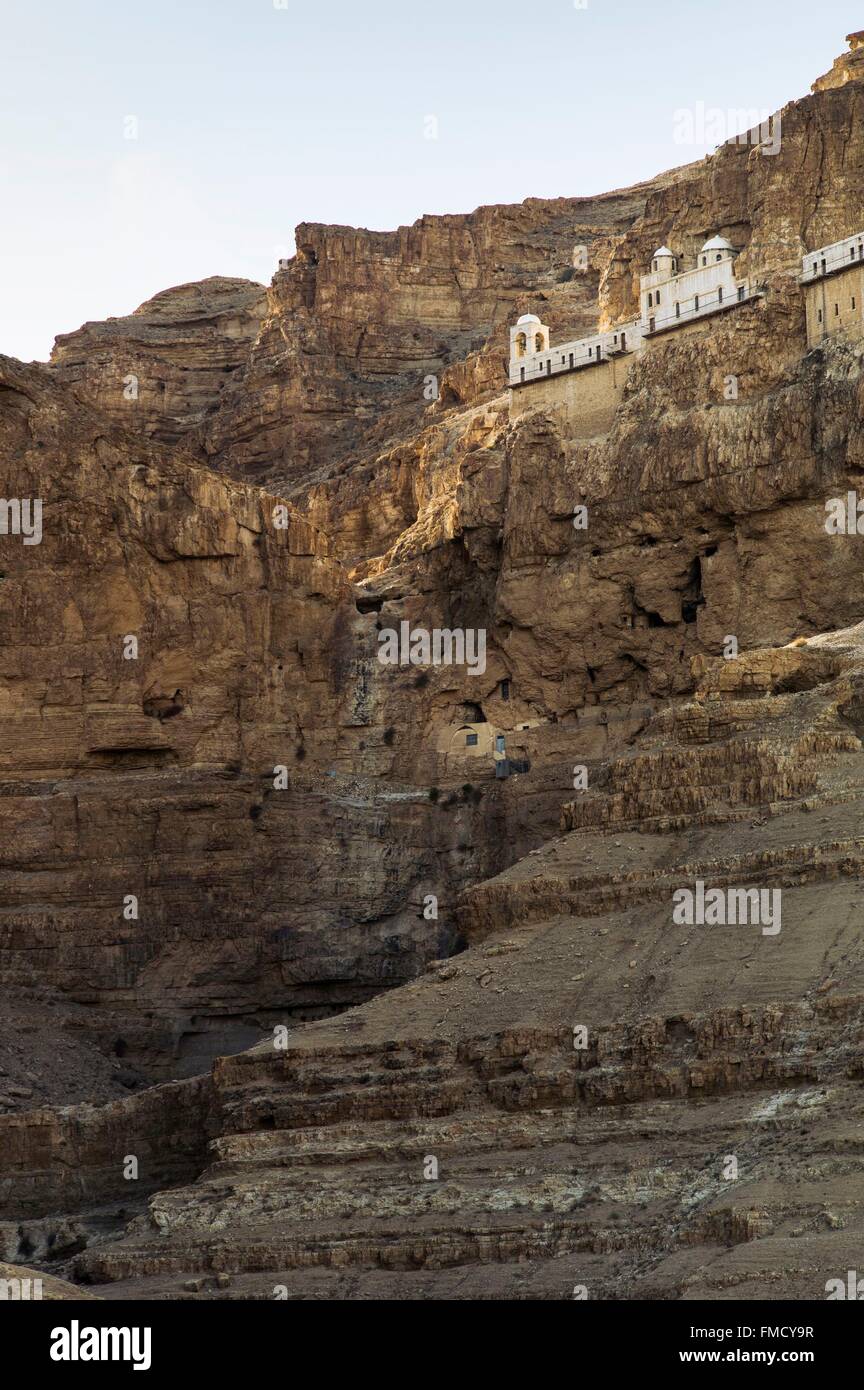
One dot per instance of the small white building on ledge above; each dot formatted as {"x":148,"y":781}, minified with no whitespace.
{"x":529,"y":363}
{"x":669,"y":298}
{"x":833,"y":281}
{"x":828,"y":260}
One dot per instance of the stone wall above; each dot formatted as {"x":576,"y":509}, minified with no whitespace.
{"x":835,"y":305}
{"x":585,"y":400}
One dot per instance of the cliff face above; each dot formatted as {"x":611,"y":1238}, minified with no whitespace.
{"x":162,"y":370}
{"x":360,"y":321}
{"x":150,"y":771}
{"x":285,"y":385}
{"x":592,"y":1095}
{"x":386,"y":845}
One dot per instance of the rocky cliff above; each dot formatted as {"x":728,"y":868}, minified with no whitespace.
{"x":248,"y":832}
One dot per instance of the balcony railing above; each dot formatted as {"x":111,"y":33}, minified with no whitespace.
{"x":827,"y":260}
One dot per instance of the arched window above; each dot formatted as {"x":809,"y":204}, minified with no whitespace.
{"x":521,"y":344}
{"x":650,"y":300}
{"x":539,"y":343}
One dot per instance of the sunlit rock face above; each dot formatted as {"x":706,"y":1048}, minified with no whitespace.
{"x":437,"y":924}
{"x":162,"y":370}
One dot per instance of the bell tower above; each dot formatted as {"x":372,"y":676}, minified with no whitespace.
{"x":530,"y":336}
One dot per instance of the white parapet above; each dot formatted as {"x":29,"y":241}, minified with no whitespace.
{"x":668,"y":301}
{"x":827,"y":260}
{"x":691,"y":304}
{"x":572,"y":356}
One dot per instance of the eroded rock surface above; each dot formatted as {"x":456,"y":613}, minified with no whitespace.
{"x":605,"y":1164}
{"x":679,"y":686}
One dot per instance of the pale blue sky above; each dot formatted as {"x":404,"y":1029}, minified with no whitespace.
{"x":254,"y":116}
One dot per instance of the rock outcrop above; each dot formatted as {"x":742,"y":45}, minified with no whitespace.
{"x":591,"y":1094}
{"x":483,"y":1057}
{"x":193,"y":743}
{"x":849,"y":67}
{"x":162,"y":370}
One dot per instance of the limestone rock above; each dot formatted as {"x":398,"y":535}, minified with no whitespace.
{"x":592,"y":1091}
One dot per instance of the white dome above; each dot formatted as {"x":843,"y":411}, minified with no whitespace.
{"x":718,"y":243}
{"x":664,"y":251}
{"x":528,"y":318}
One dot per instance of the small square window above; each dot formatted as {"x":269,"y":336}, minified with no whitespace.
{"x":471,"y":741}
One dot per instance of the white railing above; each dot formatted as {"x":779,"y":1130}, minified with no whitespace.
{"x":829,"y":259}
{"x":627,"y":337}
{"x":699,"y":306}
{"x":582,"y":352}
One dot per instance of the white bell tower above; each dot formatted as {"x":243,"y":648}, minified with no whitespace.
{"x":529,"y":337}
{"x":664,"y":263}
